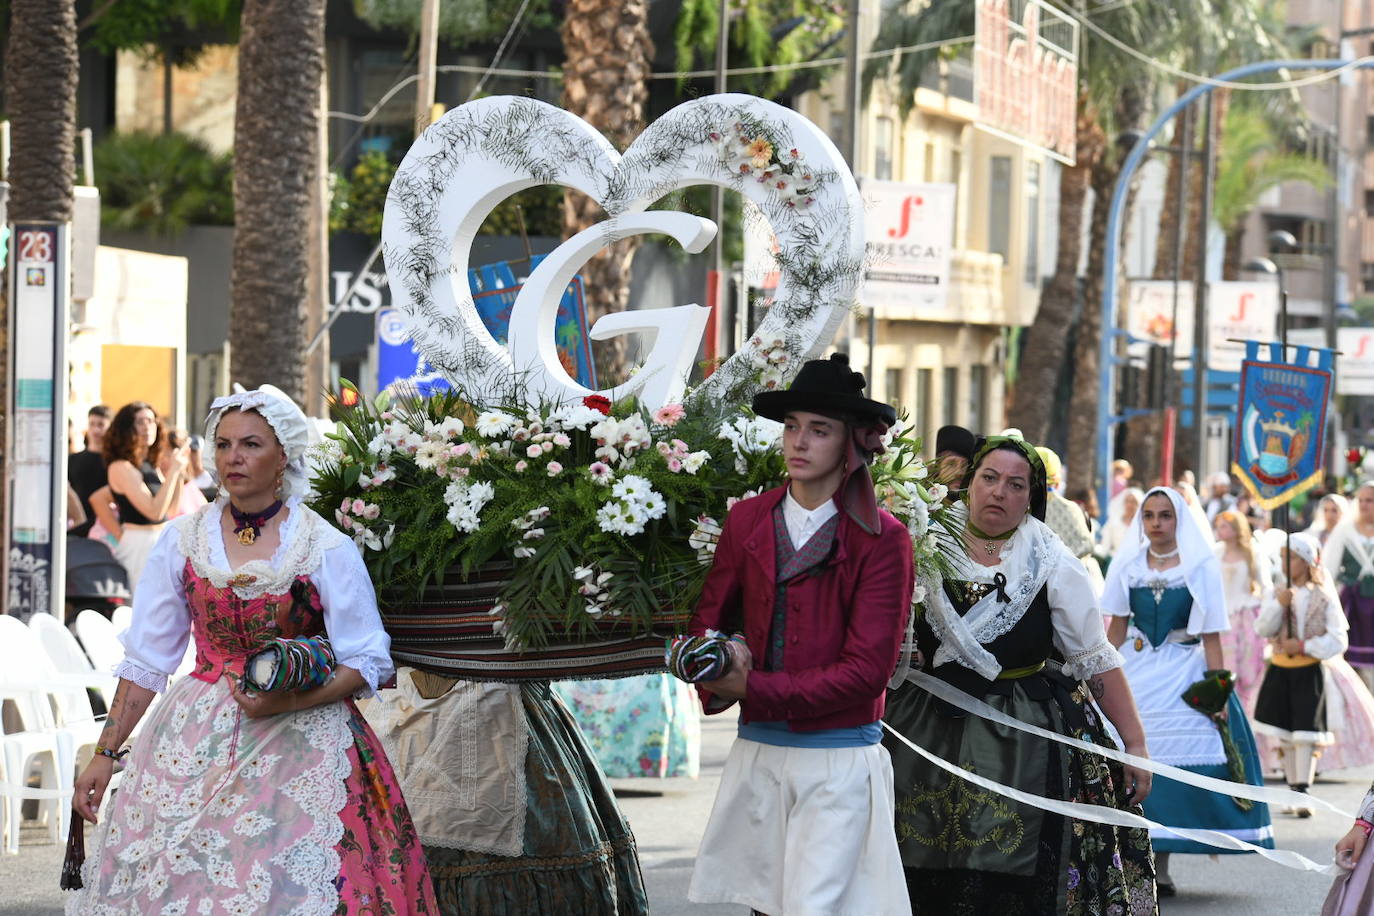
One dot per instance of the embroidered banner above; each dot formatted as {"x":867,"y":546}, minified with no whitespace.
{"x":1281,"y":421}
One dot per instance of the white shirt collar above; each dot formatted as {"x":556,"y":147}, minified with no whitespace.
{"x":802,"y":522}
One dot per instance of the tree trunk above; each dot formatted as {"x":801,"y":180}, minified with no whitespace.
{"x":40,"y":89}
{"x":1170,"y":215}
{"x":1047,"y":339}
{"x":1083,"y":404}
{"x":1230,"y":261}
{"x":1192,"y":255}
{"x":607,"y":51}
{"x":276,"y":137}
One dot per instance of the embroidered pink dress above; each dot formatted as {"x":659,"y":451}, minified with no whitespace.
{"x":218,"y":813}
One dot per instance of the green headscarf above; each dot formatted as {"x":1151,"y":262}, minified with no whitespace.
{"x":1038,"y":490}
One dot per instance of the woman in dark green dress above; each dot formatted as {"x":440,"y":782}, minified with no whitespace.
{"x":1018,"y":627}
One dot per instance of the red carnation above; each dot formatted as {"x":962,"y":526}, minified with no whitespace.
{"x":1352,"y":456}
{"x":598,"y":402}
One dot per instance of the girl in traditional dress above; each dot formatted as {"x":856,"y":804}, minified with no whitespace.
{"x":1306,"y":626}
{"x":1019,"y":627}
{"x":237,"y":801}
{"x":1353,"y":892}
{"x":1349,"y":704}
{"x":1331,"y":511}
{"x":1164,"y":592}
{"x":1246,"y":583}
{"x":1349,"y":557}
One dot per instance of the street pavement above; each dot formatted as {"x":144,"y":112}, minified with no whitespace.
{"x":669,"y":816}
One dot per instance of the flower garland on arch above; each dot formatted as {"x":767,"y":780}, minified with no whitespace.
{"x":771,"y":155}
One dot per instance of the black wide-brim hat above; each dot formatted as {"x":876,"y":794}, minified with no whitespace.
{"x":826,"y":386}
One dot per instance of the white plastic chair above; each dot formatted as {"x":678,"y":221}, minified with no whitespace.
{"x":98,"y":638}
{"x":69,"y":658}
{"x":122,"y":617}
{"x":22,"y":652}
{"x":57,"y":726}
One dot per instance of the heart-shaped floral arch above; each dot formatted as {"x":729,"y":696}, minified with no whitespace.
{"x":480,"y":153}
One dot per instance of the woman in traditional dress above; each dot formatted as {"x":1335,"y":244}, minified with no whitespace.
{"x":237,"y":801}
{"x":1349,"y":557}
{"x":1353,"y":892}
{"x":1018,"y":627}
{"x":1246,"y":582}
{"x":1121,"y":512}
{"x":1164,"y":591}
{"x":1331,"y":511}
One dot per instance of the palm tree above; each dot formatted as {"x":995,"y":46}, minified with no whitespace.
{"x":607,"y":52}
{"x":40,"y":90}
{"x":276,"y":168}
{"x":1252,"y":162}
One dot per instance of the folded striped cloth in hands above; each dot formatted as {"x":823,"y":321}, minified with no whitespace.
{"x":291,"y":664}
{"x":699,"y":658}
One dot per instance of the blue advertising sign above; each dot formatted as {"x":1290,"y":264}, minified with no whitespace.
{"x":493,"y":292}
{"x":1280,"y":434}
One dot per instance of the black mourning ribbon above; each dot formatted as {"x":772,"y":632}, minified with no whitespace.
{"x":1000,"y":581}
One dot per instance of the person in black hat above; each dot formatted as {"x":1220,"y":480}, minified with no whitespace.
{"x":954,"y":448}
{"x":819,"y":581}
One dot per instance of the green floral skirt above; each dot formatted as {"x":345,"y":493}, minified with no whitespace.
{"x":970,"y":851}
{"x":579,"y":855}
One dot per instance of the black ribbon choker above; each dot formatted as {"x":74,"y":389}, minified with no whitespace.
{"x":248,"y":525}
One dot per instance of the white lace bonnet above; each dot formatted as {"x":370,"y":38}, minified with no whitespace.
{"x":287,"y":420}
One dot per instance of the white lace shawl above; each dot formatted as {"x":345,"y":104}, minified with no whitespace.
{"x":1034,"y":559}
{"x":156,"y":641}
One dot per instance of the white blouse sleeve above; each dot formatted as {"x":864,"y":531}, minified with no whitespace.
{"x":1077,"y":617}
{"x":1270,"y":617}
{"x":351,"y":618}
{"x":156,"y":641}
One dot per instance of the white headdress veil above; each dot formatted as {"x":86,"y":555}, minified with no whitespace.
{"x":288,"y":423}
{"x":1201,"y":569}
{"x":1319,"y":518}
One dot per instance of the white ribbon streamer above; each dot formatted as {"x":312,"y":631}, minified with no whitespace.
{"x":1276,"y":797}
{"x":1099,"y":814}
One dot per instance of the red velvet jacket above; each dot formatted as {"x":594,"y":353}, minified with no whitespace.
{"x":845,"y":623}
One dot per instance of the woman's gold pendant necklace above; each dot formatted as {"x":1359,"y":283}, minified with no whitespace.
{"x":994,"y":547}
{"x":248,"y":525}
